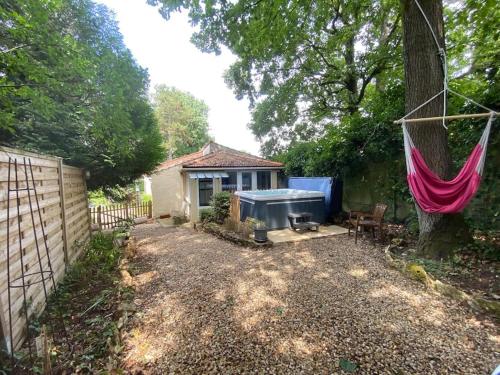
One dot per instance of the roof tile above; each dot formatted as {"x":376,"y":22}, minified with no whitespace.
{"x":182,"y":159}
{"x":221,"y":157}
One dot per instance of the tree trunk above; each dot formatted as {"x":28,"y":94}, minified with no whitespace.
{"x":440,"y":235}
{"x":351,"y":79}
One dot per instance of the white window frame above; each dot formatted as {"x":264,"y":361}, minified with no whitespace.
{"x":198,"y":191}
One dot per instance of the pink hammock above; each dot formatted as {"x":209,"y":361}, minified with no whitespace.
{"x":435,"y":195}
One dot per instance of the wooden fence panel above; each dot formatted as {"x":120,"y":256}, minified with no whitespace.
{"x":60,"y":216}
{"x":108,"y":217}
{"x":76,"y":206}
{"x":234,"y":208}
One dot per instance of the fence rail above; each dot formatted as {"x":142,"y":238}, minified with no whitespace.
{"x":46,"y":209}
{"x":107,"y":217}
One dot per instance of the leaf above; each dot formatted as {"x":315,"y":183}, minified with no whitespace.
{"x":347,"y":365}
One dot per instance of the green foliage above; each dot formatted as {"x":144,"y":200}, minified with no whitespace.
{"x":483,"y":212}
{"x":358,"y":147}
{"x":102,"y":250}
{"x":98,"y":198}
{"x":484,"y":248}
{"x":220,"y":203}
{"x":207,"y":215}
{"x":472,"y":38}
{"x":325,"y":82}
{"x":117,"y":194}
{"x":358,"y":140}
{"x":298,"y":62}
{"x":87,"y":302}
{"x":182,"y":119}
{"x":120,"y":194}
{"x":70,"y":87}
{"x":255,"y":223}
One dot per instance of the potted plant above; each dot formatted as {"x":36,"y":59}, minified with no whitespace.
{"x":260,"y":231}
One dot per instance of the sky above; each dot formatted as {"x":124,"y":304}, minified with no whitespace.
{"x":164,"y":48}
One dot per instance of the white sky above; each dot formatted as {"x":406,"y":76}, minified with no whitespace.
{"x":164,"y":48}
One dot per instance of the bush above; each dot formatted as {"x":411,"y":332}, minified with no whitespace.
{"x":220,"y":203}
{"x":98,"y":198}
{"x":102,"y":250}
{"x":207,"y":215}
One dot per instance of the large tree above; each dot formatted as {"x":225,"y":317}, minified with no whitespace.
{"x":309,"y":67}
{"x":70,"y":87}
{"x":439,"y":234}
{"x":301,"y":63}
{"x":182,"y":118}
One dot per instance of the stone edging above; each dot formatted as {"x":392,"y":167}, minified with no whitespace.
{"x":417,"y":272}
{"x":126,"y":308}
{"x":227,"y":235}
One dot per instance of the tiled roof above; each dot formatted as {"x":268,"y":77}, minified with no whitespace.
{"x":224,"y":158}
{"x":182,"y":159}
{"x":213,"y":155}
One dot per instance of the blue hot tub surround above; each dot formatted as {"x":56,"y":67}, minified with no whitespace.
{"x":273,"y":206}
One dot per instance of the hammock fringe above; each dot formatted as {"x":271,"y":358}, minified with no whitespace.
{"x":435,"y":195}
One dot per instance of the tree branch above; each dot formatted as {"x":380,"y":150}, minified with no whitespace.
{"x":14,"y":48}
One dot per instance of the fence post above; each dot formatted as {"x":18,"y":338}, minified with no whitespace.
{"x":99,"y":223}
{"x":126,"y":210}
{"x":89,"y":213}
{"x":63,"y":212}
{"x":150,"y":209}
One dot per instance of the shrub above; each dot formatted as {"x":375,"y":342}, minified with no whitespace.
{"x":97,"y":198}
{"x":220,"y":204}
{"x":252,"y":222}
{"x":207,"y":215}
{"x":101,"y":250}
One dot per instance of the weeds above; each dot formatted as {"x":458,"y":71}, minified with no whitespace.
{"x":83,"y":315}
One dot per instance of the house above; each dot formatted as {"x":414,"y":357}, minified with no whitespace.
{"x":186,"y":184}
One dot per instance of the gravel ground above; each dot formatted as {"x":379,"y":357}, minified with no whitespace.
{"x":207,"y":306}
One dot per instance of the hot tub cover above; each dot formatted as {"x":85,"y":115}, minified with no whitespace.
{"x":279,"y":194}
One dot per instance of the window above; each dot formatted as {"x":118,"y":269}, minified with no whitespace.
{"x":246,"y":181}
{"x":206,"y":189}
{"x":263,"y":180}
{"x":230,"y":183}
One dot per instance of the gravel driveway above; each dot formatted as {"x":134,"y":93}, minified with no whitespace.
{"x":207,"y":306}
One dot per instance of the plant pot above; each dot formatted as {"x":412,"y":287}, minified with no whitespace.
{"x":260,"y":235}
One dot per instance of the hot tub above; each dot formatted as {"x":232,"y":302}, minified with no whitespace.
{"x":273,"y":206}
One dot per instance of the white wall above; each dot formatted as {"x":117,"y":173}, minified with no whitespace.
{"x":168,"y":192}
{"x":147,"y":185}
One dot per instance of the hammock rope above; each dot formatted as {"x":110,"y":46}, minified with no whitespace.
{"x":433,"y":194}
